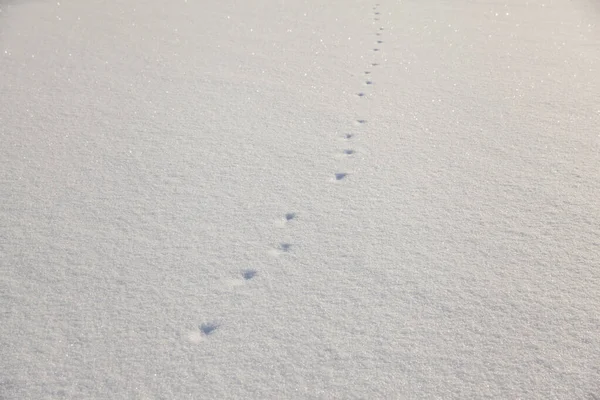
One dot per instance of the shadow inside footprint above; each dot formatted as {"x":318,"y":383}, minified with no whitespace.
{"x":361,"y":121}
{"x":340,"y":175}
{"x":208,"y":327}
{"x":348,"y":136}
{"x":361,"y":94}
{"x":285,"y":247}
{"x":348,"y":151}
{"x":290,"y":216}
{"x":248,"y":274}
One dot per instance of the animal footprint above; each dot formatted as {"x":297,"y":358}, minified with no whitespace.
{"x":248,"y":274}
{"x":369,"y":82}
{"x":361,"y":94}
{"x":340,"y":175}
{"x":285,"y":247}
{"x":349,"y":151}
{"x":290,"y":216}
{"x":282,"y":248}
{"x":361,"y":121}
{"x":208,"y":328}
{"x":348,"y":136}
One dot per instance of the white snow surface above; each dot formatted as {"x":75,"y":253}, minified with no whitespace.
{"x":172,"y":227}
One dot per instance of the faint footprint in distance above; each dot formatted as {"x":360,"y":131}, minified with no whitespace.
{"x":282,"y":248}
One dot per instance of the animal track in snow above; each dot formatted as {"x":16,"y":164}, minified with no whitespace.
{"x":290,"y":216}
{"x":208,"y":328}
{"x":361,"y":121}
{"x":348,"y":136}
{"x":248,"y":274}
{"x":280,"y":249}
{"x":349,"y":152}
{"x":360,"y":94}
{"x":283,"y":247}
{"x":340,"y":175}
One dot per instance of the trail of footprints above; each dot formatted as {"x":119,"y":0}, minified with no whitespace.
{"x":209,"y":328}
{"x":368,"y":82}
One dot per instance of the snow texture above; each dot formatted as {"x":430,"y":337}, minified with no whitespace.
{"x":299,"y":199}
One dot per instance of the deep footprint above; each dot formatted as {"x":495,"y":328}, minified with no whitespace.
{"x":340,"y":175}
{"x":348,"y":151}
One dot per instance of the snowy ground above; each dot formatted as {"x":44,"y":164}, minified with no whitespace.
{"x":172,"y":225}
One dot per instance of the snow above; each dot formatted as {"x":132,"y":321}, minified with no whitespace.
{"x":299,"y":199}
